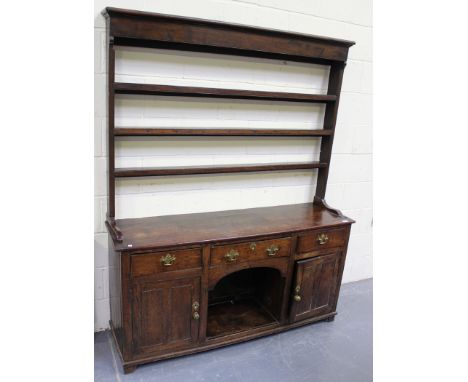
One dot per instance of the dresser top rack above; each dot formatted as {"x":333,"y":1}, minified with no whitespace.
{"x":153,"y":30}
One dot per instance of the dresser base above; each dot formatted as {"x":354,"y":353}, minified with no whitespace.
{"x":185,"y":284}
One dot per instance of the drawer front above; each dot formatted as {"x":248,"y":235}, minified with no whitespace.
{"x":321,"y":240}
{"x":254,"y":250}
{"x":151,"y":263}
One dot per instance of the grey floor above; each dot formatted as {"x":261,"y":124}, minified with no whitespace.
{"x":326,"y":351}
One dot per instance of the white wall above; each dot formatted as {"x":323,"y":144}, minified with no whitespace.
{"x":350,"y":182}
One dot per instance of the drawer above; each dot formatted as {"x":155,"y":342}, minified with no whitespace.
{"x":254,"y":250}
{"x":151,"y":263}
{"x":321,"y":240}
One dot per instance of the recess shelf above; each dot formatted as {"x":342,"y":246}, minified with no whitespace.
{"x":129,"y":132}
{"x":189,"y":91}
{"x":221,"y":169}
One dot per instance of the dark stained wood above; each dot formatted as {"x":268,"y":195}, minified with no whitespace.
{"x":270,"y":288}
{"x":115,"y":294}
{"x":221,"y":271}
{"x":321,"y":202}
{"x":334,"y":87}
{"x":212,"y":169}
{"x":155,"y":30}
{"x":153,"y":315}
{"x":244,"y":300}
{"x":317,"y":278}
{"x":155,"y":132}
{"x":342,"y":261}
{"x":127,"y":297}
{"x":171,"y":275}
{"x":288,"y":281}
{"x":228,"y":318}
{"x":256,"y":250}
{"x":110,"y":133}
{"x":216,"y":227}
{"x":129,"y":368}
{"x":114,"y":231}
{"x":190,"y":91}
{"x":122,"y":41}
{"x":190,"y":33}
{"x":311,"y":242}
{"x":163,"y":312}
{"x":204,"y":293}
{"x":150,"y":264}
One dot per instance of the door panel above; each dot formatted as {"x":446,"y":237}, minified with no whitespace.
{"x":326,"y":280}
{"x":152,"y":320}
{"x":181,"y":307}
{"x":314,"y":286}
{"x":163,"y":316}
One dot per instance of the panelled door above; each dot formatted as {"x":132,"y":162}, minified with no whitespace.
{"x":166,"y":314}
{"x":314,"y":286}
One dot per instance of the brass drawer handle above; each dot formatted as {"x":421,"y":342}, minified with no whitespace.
{"x":297,"y":296}
{"x":195,"y":307}
{"x":168,"y":260}
{"x":231,"y":256}
{"x":322,"y":238}
{"x":272,"y":250}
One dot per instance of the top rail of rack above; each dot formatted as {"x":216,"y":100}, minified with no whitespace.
{"x":154,"y":30}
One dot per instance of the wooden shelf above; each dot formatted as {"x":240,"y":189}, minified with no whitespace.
{"x":147,"y":132}
{"x":237,"y":316}
{"x":151,"y":30}
{"x":221,"y":169}
{"x":189,"y":91}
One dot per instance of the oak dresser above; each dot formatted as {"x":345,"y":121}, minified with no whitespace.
{"x":188,"y":283}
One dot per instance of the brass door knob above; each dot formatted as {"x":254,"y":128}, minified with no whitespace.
{"x":297,"y":298}
{"x":168,"y":260}
{"x":272,"y":250}
{"x":232,"y":255}
{"x":322,"y":238}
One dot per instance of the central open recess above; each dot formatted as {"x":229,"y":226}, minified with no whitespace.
{"x":244,"y":300}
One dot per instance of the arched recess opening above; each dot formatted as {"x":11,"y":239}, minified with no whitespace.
{"x":246,"y":299}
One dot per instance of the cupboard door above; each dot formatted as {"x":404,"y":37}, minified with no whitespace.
{"x":166,"y":314}
{"x":314,"y":286}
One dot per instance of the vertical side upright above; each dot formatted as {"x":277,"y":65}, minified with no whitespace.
{"x":110,"y":221}
{"x":334,"y":88}
{"x":110,"y":126}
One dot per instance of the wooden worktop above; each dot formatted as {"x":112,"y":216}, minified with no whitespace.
{"x":175,"y":230}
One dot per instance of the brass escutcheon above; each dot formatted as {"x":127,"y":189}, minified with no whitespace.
{"x":253,"y":246}
{"x":168,"y":260}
